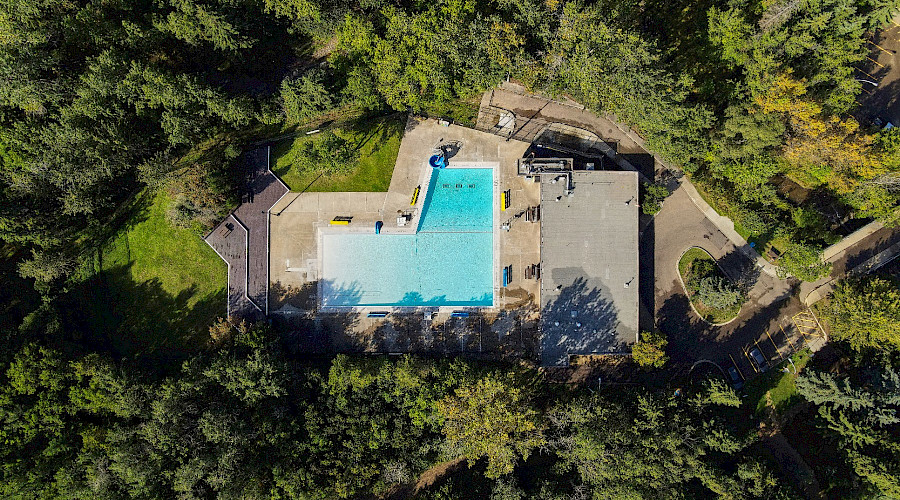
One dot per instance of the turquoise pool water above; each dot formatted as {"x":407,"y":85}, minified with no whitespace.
{"x":458,"y":199}
{"x":448,"y":262}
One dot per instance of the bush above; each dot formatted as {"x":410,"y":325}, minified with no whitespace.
{"x":652,"y":197}
{"x":650,"y":352}
{"x":328,"y":153}
{"x":753,"y":221}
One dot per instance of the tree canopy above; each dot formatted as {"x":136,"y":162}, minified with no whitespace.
{"x":865,"y":313}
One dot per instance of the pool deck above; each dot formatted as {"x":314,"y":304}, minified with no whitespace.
{"x":298,"y":219}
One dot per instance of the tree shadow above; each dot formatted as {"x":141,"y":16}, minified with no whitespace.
{"x":131,"y":319}
{"x":130,"y":213}
{"x":581,"y":320}
{"x":742,"y":271}
{"x":685,"y":332}
{"x":859,"y":254}
{"x":406,"y":331}
{"x":514,"y":333}
{"x":292,"y":298}
{"x":691,"y":339}
{"x":385,"y":127}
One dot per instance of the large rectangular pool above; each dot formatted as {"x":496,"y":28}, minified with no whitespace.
{"x":447,"y":262}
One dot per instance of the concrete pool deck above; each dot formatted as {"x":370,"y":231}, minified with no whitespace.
{"x":299,"y":218}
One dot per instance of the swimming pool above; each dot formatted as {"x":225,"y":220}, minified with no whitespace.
{"x":447,"y":262}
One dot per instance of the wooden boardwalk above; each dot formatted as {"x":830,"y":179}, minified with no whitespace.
{"x":242,"y":239}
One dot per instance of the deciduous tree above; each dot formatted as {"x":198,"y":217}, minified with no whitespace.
{"x":865,"y":313}
{"x":491,"y":419}
{"x":650,"y":350}
{"x":803,"y":261}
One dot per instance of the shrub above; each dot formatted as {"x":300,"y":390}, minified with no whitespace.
{"x":753,"y":221}
{"x":650,"y":352}
{"x":653,"y":195}
{"x":803,"y":261}
{"x":327,"y":153}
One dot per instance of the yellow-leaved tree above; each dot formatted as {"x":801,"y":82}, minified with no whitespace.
{"x":492,"y":418}
{"x":821,"y":148}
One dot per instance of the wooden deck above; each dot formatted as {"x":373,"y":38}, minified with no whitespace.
{"x":242,"y":239}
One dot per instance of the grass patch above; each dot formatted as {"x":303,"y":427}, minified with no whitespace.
{"x":710,"y":314}
{"x":155,"y":288}
{"x":376,"y":140}
{"x":777,"y":384}
{"x":684,"y":264}
{"x":460,"y":111}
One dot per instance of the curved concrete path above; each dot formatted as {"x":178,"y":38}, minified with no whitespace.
{"x":679,"y":226}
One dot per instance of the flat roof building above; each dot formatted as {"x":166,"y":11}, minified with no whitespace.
{"x":589,"y":262}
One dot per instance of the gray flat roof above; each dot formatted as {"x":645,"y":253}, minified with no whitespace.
{"x":589,"y":265}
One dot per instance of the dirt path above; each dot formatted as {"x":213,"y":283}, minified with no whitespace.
{"x":425,"y":481}
{"x":793,"y":466}
{"x":789,"y":460}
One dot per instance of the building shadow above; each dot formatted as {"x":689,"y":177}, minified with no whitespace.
{"x":645,"y":163}
{"x":581,"y":320}
{"x":647,"y":276}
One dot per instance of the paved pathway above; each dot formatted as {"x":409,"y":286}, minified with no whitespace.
{"x":533,"y":114}
{"x":679,"y":226}
{"x":686,"y":220}
{"x":242,"y":239}
{"x":859,"y":253}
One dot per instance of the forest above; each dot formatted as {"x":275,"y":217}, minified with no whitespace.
{"x":114,"y":108}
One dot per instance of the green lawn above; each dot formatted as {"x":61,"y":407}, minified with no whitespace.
{"x":689,"y":257}
{"x":711,"y":314}
{"x":157,"y":288}
{"x":377,"y":141}
{"x":778,"y":384}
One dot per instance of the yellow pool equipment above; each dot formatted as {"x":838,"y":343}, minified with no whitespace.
{"x":340,"y":222}
{"x":503,"y":201}
{"x":415,"y":196}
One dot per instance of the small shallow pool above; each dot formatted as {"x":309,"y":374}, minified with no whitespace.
{"x":448,"y":262}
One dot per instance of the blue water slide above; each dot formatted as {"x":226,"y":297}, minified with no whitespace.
{"x":437,"y":161}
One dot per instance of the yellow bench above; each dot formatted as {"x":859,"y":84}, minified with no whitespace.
{"x":340,"y":222}
{"x":503,"y":204}
{"x":415,"y":196}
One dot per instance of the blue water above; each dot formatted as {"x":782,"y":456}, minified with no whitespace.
{"x":459,"y":199}
{"x":448,"y":262}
